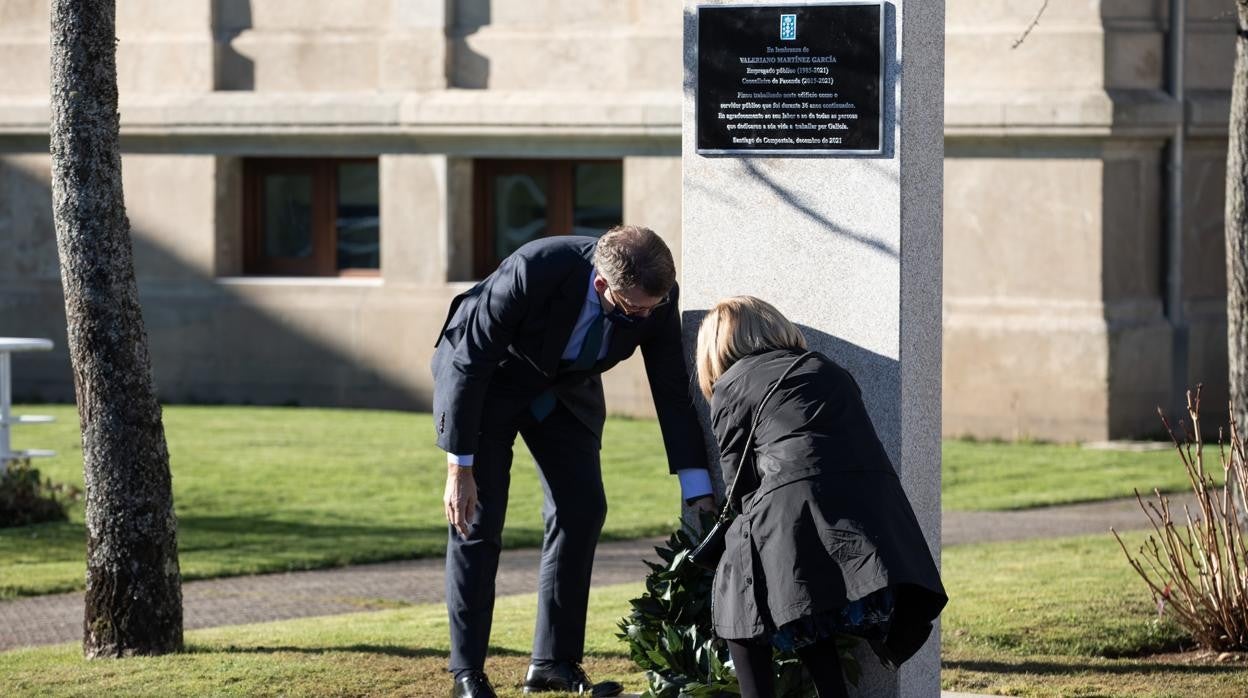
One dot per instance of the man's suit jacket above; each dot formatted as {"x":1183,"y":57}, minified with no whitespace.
{"x":502,"y":343}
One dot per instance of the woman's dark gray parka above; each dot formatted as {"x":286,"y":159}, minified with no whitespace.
{"x":828,"y":522}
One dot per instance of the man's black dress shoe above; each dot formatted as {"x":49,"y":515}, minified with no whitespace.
{"x":567,"y":677}
{"x":474,"y":684}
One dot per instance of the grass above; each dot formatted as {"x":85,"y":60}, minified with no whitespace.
{"x":1053,"y":676}
{"x":386,"y":653}
{"x":271,"y":489}
{"x":1063,"y":617}
{"x":998,"y":475}
{"x":267,"y":489}
{"x":1043,"y":618}
{"x":1070,"y":596}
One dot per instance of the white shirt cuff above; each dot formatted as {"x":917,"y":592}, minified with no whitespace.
{"x":461,"y":461}
{"x":694,"y":483}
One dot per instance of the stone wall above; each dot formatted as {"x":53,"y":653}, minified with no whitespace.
{"x":1056,"y":182}
{"x":1054,"y":208}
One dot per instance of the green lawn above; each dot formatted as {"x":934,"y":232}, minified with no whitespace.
{"x":1053,"y":618}
{"x":1070,"y":596}
{"x":267,"y":489}
{"x":979,"y":475}
{"x":386,"y":653}
{"x":1063,"y":617}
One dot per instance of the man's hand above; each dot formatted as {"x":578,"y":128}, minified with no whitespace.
{"x":704,"y":503}
{"x":460,"y":499}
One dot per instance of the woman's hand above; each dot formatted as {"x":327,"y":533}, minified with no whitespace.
{"x":459,"y":501}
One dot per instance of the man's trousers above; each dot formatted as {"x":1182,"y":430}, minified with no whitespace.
{"x":568,"y":466}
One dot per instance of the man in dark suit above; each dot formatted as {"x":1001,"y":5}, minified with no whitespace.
{"x":521,"y":353}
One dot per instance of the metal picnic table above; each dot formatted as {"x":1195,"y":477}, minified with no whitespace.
{"x":8,"y":346}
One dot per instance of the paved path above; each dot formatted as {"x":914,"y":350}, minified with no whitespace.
{"x":959,"y":527}
{"x":209,"y":603}
{"x":233,"y":601}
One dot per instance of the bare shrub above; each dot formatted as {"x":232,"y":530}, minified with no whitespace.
{"x":1197,"y":569}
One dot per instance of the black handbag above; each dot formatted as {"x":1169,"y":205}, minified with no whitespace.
{"x":706,"y":555}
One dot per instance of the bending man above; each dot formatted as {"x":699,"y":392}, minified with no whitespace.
{"x":521,"y":353}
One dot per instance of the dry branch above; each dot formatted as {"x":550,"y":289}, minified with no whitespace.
{"x":1198,"y":570}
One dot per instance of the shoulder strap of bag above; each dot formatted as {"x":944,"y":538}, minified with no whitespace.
{"x":749,"y":440}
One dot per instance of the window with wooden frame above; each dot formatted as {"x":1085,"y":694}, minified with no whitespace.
{"x":522,"y":200}
{"x":311,"y":217}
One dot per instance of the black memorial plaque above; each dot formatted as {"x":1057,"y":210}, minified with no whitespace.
{"x":800,"y":79}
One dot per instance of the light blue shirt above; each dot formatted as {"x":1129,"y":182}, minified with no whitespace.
{"x":694,"y":482}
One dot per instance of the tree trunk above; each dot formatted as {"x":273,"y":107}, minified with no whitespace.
{"x":1237,"y":226}
{"x":134,"y":592}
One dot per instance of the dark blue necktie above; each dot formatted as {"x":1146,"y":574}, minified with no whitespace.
{"x":544,"y":404}
{"x":588,"y":356}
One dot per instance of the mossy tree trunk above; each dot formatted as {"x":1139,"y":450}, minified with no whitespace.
{"x":134,"y":592}
{"x":1237,"y":224}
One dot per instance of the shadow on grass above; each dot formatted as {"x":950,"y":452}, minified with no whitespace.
{"x":359,"y":542}
{"x":263,"y":525}
{"x":217,"y":547}
{"x":44,"y":534}
{"x":388,"y":650}
{"x":313,"y":530}
{"x":1065,"y":669}
{"x":198,"y":534}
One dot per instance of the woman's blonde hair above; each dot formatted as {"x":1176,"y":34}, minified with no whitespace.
{"x":737,"y":327}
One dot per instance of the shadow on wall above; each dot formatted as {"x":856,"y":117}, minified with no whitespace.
{"x":469,"y":69}
{"x":879,"y":377}
{"x":795,"y":201}
{"x":209,"y":342}
{"x":234,"y":71}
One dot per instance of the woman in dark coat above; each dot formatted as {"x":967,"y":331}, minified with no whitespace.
{"x":826,"y":541}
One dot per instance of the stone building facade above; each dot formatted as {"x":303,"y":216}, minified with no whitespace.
{"x":308,"y":187}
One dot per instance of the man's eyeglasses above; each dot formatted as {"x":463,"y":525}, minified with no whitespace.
{"x":629,"y":308}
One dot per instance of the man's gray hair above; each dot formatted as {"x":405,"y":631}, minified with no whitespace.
{"x":630,"y":256}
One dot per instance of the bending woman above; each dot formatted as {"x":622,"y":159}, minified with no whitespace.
{"x":826,"y":541}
